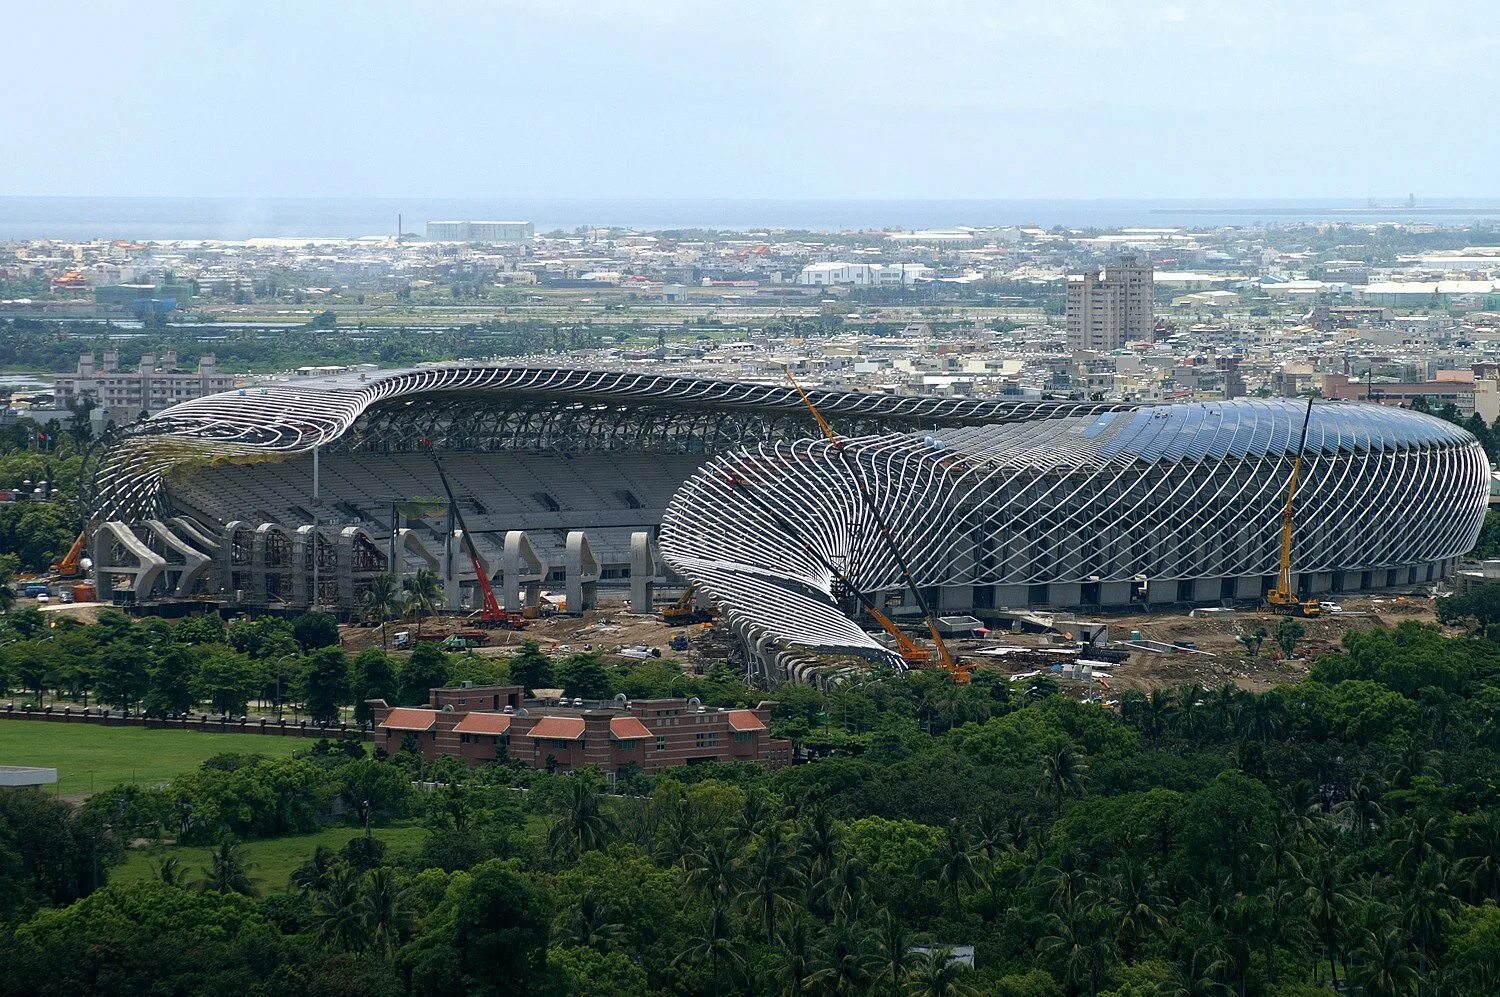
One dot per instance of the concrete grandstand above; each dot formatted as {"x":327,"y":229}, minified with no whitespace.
{"x":295,"y":494}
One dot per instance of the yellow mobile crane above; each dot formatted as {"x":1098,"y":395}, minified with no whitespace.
{"x":911,"y":653}
{"x":1282,"y":598}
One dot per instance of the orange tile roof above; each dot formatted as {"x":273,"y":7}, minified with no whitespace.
{"x":745,"y":720}
{"x":484,"y":723}
{"x":406,"y":718}
{"x":558,"y":728}
{"x":628,"y":729}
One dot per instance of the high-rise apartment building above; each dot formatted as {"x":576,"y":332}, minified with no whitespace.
{"x":1109,"y":309}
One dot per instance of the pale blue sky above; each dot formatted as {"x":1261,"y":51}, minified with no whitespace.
{"x":696,"y":98}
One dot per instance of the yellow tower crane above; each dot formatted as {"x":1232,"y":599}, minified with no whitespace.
{"x":1282,"y":598}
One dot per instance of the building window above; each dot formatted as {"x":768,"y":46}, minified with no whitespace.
{"x":463,"y":739}
{"x":661,"y":744}
{"x":742,"y":736}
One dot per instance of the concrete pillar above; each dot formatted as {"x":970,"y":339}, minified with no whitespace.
{"x":644,"y":568}
{"x":582,"y":573}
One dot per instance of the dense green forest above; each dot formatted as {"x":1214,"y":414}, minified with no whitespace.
{"x":1338,"y":834}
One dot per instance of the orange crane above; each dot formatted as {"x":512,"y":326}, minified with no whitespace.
{"x":914,"y":655}
{"x":490,"y":613}
{"x":71,"y":565}
{"x":1282,"y":598}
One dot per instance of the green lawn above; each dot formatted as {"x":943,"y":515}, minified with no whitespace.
{"x":271,"y":861}
{"x":89,"y":758}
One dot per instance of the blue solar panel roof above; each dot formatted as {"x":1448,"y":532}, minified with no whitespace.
{"x":1262,"y":426}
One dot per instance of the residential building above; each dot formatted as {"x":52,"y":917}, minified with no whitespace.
{"x":501,"y":233}
{"x":150,"y":387}
{"x":492,"y":723}
{"x":1108,"y":309}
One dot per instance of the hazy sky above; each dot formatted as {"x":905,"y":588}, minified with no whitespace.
{"x":717,"y":98}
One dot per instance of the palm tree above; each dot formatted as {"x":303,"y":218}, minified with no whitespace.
{"x":769,"y":881}
{"x":1265,"y":716}
{"x":713,"y":944}
{"x":170,"y":871}
{"x":1424,"y":907}
{"x":1361,"y":811}
{"x":846,"y":960}
{"x":1189,"y":714}
{"x":937,"y":974}
{"x":799,"y":954}
{"x":383,"y":600}
{"x":1244,"y":921}
{"x":424,"y":594}
{"x":1197,"y":976}
{"x":227,"y":871}
{"x":844,"y":887}
{"x":1481,"y":869}
{"x":1160,"y":708}
{"x":592,"y":925}
{"x":1224,"y":709}
{"x":583,"y":825}
{"x":1080,"y":938}
{"x":1283,"y":926}
{"x":754,"y":816}
{"x":312,"y":876}
{"x":680,"y":833}
{"x":896,"y":956}
{"x":1281,"y":847}
{"x":955,"y":863}
{"x":1384,"y":968}
{"x":1328,"y":902}
{"x":1142,"y":909}
{"x":341,"y":912}
{"x":1063,"y":775}
{"x":1422,"y":840}
{"x":817,"y":846}
{"x":716,"y":870}
{"x":386,"y":916}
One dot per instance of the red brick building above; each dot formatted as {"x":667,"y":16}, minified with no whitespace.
{"x":487,"y":723}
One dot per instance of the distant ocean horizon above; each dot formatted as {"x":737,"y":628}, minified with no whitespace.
{"x":170,"y":218}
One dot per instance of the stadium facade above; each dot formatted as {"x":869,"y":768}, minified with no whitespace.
{"x":296,"y":494}
{"x":1165,"y":504}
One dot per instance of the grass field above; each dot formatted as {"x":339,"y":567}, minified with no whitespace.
{"x":89,"y":758}
{"x":271,"y":861}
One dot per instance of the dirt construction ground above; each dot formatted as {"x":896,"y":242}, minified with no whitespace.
{"x":1216,"y":656}
{"x":1225,"y":658}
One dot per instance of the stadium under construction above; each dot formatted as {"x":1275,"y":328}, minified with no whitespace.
{"x":297,"y":494}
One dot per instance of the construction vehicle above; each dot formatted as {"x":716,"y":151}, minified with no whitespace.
{"x":1282,"y":598}
{"x":464,"y":640}
{"x":490,"y":615}
{"x":71,"y":565}
{"x":685,"y":610}
{"x":912,"y":654}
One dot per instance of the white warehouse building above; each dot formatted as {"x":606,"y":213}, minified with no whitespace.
{"x":864,"y":274}
{"x":505,"y":233}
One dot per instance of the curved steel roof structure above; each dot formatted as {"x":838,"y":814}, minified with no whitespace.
{"x":493,"y":407}
{"x":1177,"y":492}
